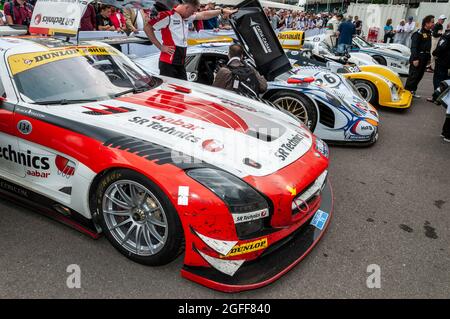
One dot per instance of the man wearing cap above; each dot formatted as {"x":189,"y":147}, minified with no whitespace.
{"x":438,"y":30}
{"x":410,"y":26}
{"x":420,"y":54}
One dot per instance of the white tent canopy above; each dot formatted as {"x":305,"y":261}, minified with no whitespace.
{"x":269,"y":4}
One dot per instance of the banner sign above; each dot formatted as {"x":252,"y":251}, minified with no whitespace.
{"x":58,"y":17}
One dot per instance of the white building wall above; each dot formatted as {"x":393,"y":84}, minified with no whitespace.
{"x":427,"y":8}
{"x":376,"y":15}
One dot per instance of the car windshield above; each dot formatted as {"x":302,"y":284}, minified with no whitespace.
{"x":77,"y":74}
{"x":361,"y":42}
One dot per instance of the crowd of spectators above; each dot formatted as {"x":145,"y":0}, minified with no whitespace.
{"x":104,"y":17}
{"x":100,"y":16}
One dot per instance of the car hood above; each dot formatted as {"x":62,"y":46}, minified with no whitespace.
{"x":361,"y":59}
{"x":396,"y":47}
{"x":241,"y":135}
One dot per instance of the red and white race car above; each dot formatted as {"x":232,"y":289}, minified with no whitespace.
{"x":159,"y":165}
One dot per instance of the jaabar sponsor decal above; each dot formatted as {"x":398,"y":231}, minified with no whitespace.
{"x":256,"y":27}
{"x":24,"y":158}
{"x":248,"y":247}
{"x":36,"y":173}
{"x":170,"y":130}
{"x":286,"y":148}
{"x":177,"y":122}
{"x":247,"y":217}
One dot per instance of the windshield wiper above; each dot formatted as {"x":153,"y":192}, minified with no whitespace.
{"x":133,"y":90}
{"x":65,"y":101}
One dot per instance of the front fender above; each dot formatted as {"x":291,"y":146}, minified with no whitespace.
{"x":385,"y":72}
{"x":383,"y":90}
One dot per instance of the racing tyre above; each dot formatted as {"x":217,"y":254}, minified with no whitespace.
{"x":367,"y":90}
{"x":298,"y":105}
{"x":380,"y":59}
{"x":138,"y":218}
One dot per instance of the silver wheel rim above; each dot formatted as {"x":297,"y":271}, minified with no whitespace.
{"x":365,"y":90}
{"x":295,"y":107}
{"x":135,"y":218}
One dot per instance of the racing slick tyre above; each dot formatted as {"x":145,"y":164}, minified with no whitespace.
{"x":367,"y":90}
{"x":380,"y":59}
{"x":298,"y":105}
{"x":138,"y":218}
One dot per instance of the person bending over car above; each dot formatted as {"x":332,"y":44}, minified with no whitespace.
{"x":174,"y":26}
{"x":238,"y":76}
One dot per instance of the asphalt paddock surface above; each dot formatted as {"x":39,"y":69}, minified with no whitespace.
{"x":392,"y":209}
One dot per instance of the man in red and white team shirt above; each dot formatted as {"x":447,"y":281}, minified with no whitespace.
{"x":174,"y":26}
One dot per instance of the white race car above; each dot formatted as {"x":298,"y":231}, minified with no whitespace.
{"x":320,"y":47}
{"x":397,"y":47}
{"x":396,"y":60}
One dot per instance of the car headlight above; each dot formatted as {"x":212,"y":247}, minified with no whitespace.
{"x":322,"y":147}
{"x":248,"y":207}
{"x":394,"y":90}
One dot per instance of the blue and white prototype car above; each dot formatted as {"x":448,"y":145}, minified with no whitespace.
{"x":326,"y":102}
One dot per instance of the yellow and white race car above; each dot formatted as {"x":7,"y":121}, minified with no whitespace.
{"x":376,"y":83}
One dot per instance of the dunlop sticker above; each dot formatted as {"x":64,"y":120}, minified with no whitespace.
{"x":22,"y":62}
{"x":248,"y":247}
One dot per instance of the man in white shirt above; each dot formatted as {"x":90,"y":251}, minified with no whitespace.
{"x":410,"y":27}
{"x":400,"y":35}
{"x":332,"y":29}
{"x":174,"y":27}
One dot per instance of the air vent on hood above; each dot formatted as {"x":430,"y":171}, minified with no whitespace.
{"x":154,"y":152}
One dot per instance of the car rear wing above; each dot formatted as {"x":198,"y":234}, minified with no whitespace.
{"x":291,"y":39}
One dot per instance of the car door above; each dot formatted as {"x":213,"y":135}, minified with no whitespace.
{"x":47,"y":169}
{"x":260,"y":41}
{"x":10,"y":157}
